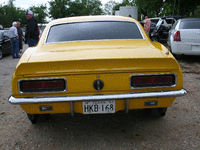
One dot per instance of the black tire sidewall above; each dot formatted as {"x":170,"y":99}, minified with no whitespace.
{"x":1,"y":52}
{"x":154,"y":39}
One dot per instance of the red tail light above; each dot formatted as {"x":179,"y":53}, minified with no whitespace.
{"x":177,"y":36}
{"x":152,"y":81}
{"x":47,"y":85}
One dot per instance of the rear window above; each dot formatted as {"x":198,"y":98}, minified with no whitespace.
{"x":190,"y":25}
{"x":81,"y":31}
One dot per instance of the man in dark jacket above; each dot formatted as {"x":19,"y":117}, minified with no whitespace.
{"x":31,"y":34}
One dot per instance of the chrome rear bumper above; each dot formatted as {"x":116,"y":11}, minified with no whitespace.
{"x":36,"y":100}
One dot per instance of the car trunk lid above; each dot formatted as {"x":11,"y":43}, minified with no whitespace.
{"x":95,"y":56}
{"x":190,"y":36}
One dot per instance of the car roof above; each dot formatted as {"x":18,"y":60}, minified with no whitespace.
{"x":92,"y":18}
{"x":190,"y":19}
{"x":161,"y":18}
{"x":157,"y":18}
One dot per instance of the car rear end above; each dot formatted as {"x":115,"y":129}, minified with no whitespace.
{"x":96,"y":70}
{"x":110,"y":78}
{"x":185,"y":38}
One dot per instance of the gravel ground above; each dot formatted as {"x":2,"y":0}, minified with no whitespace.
{"x":178,"y":130}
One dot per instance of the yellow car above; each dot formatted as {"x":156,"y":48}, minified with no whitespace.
{"x":95,"y":65}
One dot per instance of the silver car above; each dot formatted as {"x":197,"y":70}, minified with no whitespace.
{"x":184,"y":37}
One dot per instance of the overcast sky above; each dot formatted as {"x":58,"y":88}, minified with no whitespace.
{"x":28,"y":3}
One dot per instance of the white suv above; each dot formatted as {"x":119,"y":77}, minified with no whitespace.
{"x":168,"y":22}
{"x":184,"y":37}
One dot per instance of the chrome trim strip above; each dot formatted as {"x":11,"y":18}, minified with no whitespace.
{"x":18,"y":84}
{"x":153,"y":75}
{"x":35,"y":100}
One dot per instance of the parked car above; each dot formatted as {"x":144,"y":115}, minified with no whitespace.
{"x":95,"y":65}
{"x":160,"y":32}
{"x":167,"y":22}
{"x":184,"y":37}
{"x":5,"y":45}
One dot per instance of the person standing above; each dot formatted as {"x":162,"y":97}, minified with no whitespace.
{"x":14,"y":39}
{"x":147,"y":25}
{"x":20,"y":33}
{"x":31,"y":33}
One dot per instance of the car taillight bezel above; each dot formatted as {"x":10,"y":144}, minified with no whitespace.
{"x":173,"y":84}
{"x":177,"y":36}
{"x":47,"y":90}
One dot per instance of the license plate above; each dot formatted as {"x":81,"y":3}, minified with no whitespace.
{"x":98,"y":107}
{"x":196,"y":47}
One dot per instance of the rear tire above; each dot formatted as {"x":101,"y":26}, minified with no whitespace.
{"x":1,"y":53}
{"x":33,"y":118}
{"x":162,"y":111}
{"x":45,"y":117}
{"x":154,"y":39}
{"x":155,"y":112}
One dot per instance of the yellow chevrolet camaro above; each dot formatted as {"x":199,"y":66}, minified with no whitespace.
{"x":95,"y":65}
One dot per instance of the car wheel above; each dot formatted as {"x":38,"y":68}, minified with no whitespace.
{"x":45,"y":117}
{"x":162,"y":111}
{"x":1,"y":53}
{"x":155,"y":112}
{"x":154,"y":39}
{"x":33,"y":118}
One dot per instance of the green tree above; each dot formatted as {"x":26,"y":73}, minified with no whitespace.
{"x":21,"y":16}
{"x":87,"y":7}
{"x":40,"y":13}
{"x":124,"y":3}
{"x":58,"y":8}
{"x":150,"y":8}
{"x":197,"y":12}
{"x":8,"y":14}
{"x":109,"y":7}
{"x":181,"y":8}
{"x":76,"y":9}
{"x":67,"y":8}
{"x":94,"y":7}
